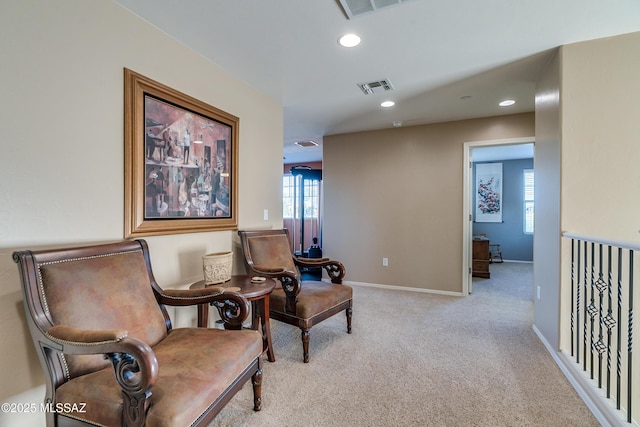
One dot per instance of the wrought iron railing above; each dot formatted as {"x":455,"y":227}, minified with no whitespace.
{"x":602,"y":299}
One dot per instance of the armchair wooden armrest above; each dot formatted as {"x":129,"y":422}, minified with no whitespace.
{"x":269,"y":271}
{"x":134,"y":362}
{"x":289,"y":281}
{"x":276,"y":273}
{"x":232,"y":306}
{"x":310,"y":262}
{"x":183,"y":297}
{"x":334,"y":269}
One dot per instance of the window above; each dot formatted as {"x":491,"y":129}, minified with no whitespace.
{"x":288,"y":196}
{"x":291,"y":197}
{"x":311,"y":198}
{"x":527,"y":175}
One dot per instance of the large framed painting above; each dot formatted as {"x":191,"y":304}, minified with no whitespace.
{"x":489,"y":192}
{"x":181,"y":162}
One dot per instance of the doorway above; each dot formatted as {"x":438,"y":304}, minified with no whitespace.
{"x":495,"y":150}
{"x":303,"y":209}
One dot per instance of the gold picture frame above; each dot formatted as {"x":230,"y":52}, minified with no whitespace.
{"x":181,"y":161}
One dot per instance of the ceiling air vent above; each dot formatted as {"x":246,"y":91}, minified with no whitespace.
{"x":353,"y":8}
{"x":374,"y":87}
{"x":306,"y":144}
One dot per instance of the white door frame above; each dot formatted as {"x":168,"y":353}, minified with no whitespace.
{"x":467,"y":205}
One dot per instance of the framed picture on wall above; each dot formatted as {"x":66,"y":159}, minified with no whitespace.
{"x":181,"y":162}
{"x":488,"y":192}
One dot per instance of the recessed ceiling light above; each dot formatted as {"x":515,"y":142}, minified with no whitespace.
{"x":387,"y":104}
{"x":349,"y":40}
{"x":397,"y":123}
{"x":507,"y":103}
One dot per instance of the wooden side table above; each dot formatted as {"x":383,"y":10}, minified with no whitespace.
{"x":480,"y":266}
{"x":258,"y":294}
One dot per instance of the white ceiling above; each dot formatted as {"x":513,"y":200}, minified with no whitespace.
{"x":434,"y":52}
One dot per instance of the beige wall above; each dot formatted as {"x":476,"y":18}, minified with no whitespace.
{"x":586,"y":161}
{"x":61,"y":180}
{"x":600,"y":125}
{"x":546,"y":244}
{"x":600,"y":135}
{"x":397,"y":193}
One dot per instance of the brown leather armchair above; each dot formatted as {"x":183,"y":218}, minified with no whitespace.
{"x":95,"y":306}
{"x":299,"y":303}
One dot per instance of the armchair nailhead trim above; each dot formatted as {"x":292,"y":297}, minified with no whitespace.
{"x":86,"y":344}
{"x":67,"y":374}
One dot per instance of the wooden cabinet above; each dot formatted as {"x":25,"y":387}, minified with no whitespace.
{"x":480,"y":265}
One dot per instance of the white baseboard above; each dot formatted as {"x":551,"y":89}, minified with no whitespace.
{"x":597,"y":403}
{"x":403,"y":288}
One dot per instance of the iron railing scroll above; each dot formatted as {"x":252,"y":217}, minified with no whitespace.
{"x":601,"y":321}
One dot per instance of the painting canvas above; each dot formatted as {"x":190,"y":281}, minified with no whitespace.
{"x":186,"y":163}
{"x":488,"y":192}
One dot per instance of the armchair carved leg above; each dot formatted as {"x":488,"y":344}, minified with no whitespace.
{"x":349,"y":312}
{"x":305,"y":345}
{"x":256,"y":380}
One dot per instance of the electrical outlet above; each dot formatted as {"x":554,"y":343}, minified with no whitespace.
{"x":266,"y":215}
{"x":385,"y":262}
{"x":538,"y":292}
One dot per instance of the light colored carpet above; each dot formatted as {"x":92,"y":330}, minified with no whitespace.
{"x":417,"y":359}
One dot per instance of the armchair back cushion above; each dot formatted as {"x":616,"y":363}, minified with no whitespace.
{"x":102,"y":292}
{"x":272,"y":251}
